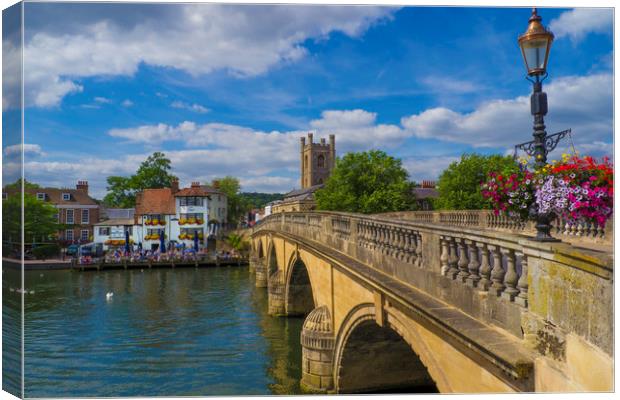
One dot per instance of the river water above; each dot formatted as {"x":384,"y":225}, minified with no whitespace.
{"x":164,"y":332}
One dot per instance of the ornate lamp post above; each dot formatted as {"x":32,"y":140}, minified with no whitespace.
{"x":535,"y":44}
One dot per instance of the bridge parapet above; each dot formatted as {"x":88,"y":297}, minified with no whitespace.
{"x":566,"y":230}
{"x":556,"y":297}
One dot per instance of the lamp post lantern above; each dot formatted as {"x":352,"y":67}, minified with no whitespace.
{"x":535,"y":44}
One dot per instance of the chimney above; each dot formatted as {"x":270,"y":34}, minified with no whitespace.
{"x":174,"y":185}
{"x":310,"y":137}
{"x":195,"y":184}
{"x":82,"y":186}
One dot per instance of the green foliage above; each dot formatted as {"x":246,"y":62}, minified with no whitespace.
{"x":120,"y":192}
{"x":367,"y":182}
{"x":459,"y":184}
{"x":46,"y":251}
{"x":259,"y":200}
{"x":18,"y":185}
{"x":237,"y":205}
{"x":153,"y":173}
{"x":237,"y":242}
{"x":39,"y":219}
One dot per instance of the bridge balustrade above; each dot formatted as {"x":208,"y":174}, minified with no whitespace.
{"x":572,"y":232}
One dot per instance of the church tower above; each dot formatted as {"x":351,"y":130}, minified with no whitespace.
{"x":317,"y":160}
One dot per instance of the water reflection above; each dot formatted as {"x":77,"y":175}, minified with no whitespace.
{"x":164,"y":332}
{"x":11,"y":331}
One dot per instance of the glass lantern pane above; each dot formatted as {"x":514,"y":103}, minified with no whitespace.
{"x":534,"y":51}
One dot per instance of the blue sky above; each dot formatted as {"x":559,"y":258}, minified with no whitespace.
{"x":228,"y":89}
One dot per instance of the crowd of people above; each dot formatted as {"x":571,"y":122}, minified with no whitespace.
{"x":180,"y":254}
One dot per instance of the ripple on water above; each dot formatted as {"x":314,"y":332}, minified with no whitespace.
{"x":164,"y":333}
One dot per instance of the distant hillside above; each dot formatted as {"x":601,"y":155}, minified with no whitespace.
{"x":258,"y":200}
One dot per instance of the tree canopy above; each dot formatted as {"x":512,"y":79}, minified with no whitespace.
{"x":367,"y":182}
{"x":237,"y":205}
{"x":153,"y":173}
{"x":459,"y":184}
{"x":40,"y":221}
{"x":18,"y":185}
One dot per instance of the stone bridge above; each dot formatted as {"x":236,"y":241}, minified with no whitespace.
{"x":438,"y":304}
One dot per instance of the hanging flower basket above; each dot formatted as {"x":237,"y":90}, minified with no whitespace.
{"x":575,"y":189}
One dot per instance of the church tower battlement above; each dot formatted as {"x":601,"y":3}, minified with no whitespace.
{"x":317,"y":160}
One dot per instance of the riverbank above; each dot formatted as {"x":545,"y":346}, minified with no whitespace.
{"x":35,"y":265}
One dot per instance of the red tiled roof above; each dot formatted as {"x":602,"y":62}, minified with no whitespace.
{"x":54,"y":195}
{"x":194,"y":191}
{"x":155,"y":201}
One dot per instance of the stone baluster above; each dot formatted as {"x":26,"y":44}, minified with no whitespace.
{"x":485,"y":267}
{"x":418,"y":251}
{"x":474,"y":264}
{"x":521,"y":299}
{"x":452,"y":260}
{"x":443,"y":259}
{"x":511,"y":277}
{"x":463,"y":262}
{"x":409,"y":247}
{"x":497,"y":273}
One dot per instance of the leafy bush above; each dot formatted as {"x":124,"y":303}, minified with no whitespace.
{"x":46,"y":251}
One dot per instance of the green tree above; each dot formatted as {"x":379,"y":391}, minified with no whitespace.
{"x":120,"y":192}
{"x":18,"y":185}
{"x":367,"y":182}
{"x":40,"y":222}
{"x":459,"y":184}
{"x":153,"y":173}
{"x":237,"y":205}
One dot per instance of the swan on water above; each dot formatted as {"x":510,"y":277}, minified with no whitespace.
{"x":109,"y":295}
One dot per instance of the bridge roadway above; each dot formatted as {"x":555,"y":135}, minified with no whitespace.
{"x":393,"y":305}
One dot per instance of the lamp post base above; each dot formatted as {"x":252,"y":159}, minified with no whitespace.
{"x":543,"y":229}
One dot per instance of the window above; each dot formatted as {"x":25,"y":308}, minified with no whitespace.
{"x":320,"y":161}
{"x":69,"y":234}
{"x":150,"y":232}
{"x":190,"y":201}
{"x":85,"y":216}
{"x":66,"y":196}
{"x":306,"y":162}
{"x":5,"y":195}
{"x":69,"y":217}
{"x":41,"y":196}
{"x":57,"y":217}
{"x":105,"y":231}
{"x":84,"y":234}
{"x":192,"y":216}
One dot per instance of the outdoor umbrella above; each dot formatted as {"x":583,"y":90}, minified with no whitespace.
{"x":196,"y":240}
{"x":126,"y":241}
{"x":162,"y":245}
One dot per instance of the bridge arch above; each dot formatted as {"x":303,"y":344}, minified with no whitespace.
{"x":260,"y":253}
{"x":299,"y":296}
{"x":272,"y":259}
{"x":369,"y":357}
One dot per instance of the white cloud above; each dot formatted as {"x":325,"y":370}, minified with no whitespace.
{"x":30,"y":150}
{"x":245,"y":40}
{"x":427,"y":168}
{"x":358,"y":130}
{"x":191,"y":107}
{"x":577,"y":23}
{"x":127,"y":103}
{"x":102,"y":100}
{"x":581,"y":103}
